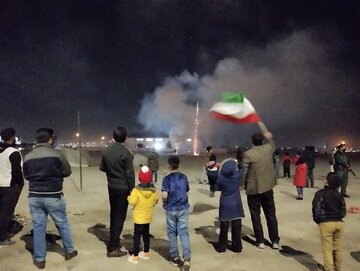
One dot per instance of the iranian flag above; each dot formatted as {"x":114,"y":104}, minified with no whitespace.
{"x":234,"y":107}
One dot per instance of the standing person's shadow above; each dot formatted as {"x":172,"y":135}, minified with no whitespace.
{"x":302,"y":257}
{"x":210,"y":234}
{"x":159,"y":245}
{"x":51,"y":243}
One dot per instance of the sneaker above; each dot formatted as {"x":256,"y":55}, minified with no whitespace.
{"x":70,"y":255}
{"x":116,"y":253}
{"x":40,"y":265}
{"x":144,"y":255}
{"x":133,"y":259}
{"x":186,"y":266}
{"x":275,"y":246}
{"x":261,"y":246}
{"x":176,"y":261}
{"x":298,"y":198}
{"x":346,"y":196}
{"x":7,"y":242}
{"x":222,"y":252}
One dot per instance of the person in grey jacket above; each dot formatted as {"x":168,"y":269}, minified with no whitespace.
{"x":45,"y":169}
{"x":117,"y":163}
{"x":258,"y":180}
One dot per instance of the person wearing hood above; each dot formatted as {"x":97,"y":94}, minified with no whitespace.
{"x":329,"y":209}
{"x":231,"y":210}
{"x":300,"y":177}
{"x":11,"y":182}
{"x":143,"y":198}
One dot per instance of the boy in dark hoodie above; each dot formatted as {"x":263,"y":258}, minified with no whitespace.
{"x":329,"y":208}
{"x":212,"y":171}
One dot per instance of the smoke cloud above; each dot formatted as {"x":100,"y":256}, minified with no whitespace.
{"x":290,"y":82}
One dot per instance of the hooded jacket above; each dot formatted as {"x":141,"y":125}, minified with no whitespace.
{"x":143,"y":198}
{"x":300,"y":173}
{"x":228,"y":182}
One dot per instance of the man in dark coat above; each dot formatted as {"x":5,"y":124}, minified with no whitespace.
{"x":341,"y":167}
{"x":309,"y":155}
{"x":117,"y":162}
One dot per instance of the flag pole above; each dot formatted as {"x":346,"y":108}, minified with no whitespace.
{"x":262,"y":127}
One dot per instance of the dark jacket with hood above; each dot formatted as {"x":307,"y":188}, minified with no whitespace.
{"x":228,"y":183}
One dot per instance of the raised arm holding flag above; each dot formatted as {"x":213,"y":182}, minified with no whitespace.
{"x":236,"y":108}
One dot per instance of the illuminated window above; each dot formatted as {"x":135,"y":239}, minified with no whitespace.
{"x":139,"y":139}
{"x":149,"y":139}
{"x":158,"y":139}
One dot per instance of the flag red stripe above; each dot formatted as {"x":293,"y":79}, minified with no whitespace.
{"x":248,"y":119}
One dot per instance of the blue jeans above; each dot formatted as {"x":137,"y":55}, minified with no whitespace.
{"x":40,"y":208}
{"x":177,"y":224}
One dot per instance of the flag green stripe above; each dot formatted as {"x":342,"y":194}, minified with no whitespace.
{"x":233,"y":97}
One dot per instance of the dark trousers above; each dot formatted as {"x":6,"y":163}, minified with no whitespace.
{"x":118,"y":210}
{"x":266,"y":202}
{"x":9,"y":197}
{"x":286,"y":172}
{"x":212,"y":182}
{"x":141,"y":230}
{"x":310,"y":178}
{"x":344,"y":175}
{"x":235,"y":235}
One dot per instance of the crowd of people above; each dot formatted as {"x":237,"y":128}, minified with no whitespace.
{"x":254,"y":171}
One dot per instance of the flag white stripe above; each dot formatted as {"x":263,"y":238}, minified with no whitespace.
{"x":238,"y":110}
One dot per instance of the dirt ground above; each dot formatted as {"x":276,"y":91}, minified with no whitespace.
{"x":88,"y":213}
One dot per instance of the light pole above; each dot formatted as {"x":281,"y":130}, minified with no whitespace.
{"x":78,"y":134}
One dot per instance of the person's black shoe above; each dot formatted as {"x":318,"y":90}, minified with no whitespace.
{"x":176,"y":261}
{"x":70,"y":255}
{"x":116,"y":253}
{"x":346,"y":196}
{"x":40,"y":265}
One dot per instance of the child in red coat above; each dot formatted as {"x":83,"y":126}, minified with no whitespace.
{"x":300,"y":177}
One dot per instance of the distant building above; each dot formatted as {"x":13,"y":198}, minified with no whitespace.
{"x":142,"y":142}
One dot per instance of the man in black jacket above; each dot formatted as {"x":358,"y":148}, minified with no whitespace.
{"x":309,"y":155}
{"x":45,"y":169}
{"x":11,"y":182}
{"x":329,"y":208}
{"x":117,"y":162}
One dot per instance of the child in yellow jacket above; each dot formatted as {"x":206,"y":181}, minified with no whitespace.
{"x":143,"y":198}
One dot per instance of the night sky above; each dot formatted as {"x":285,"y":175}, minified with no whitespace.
{"x":144,"y":64}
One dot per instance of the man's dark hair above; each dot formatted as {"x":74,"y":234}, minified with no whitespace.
{"x":257,"y":139}
{"x":208,"y":148}
{"x":174,"y":162}
{"x":44,"y":134}
{"x":333,"y":180}
{"x":120,"y":134}
{"x":7,"y":134}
